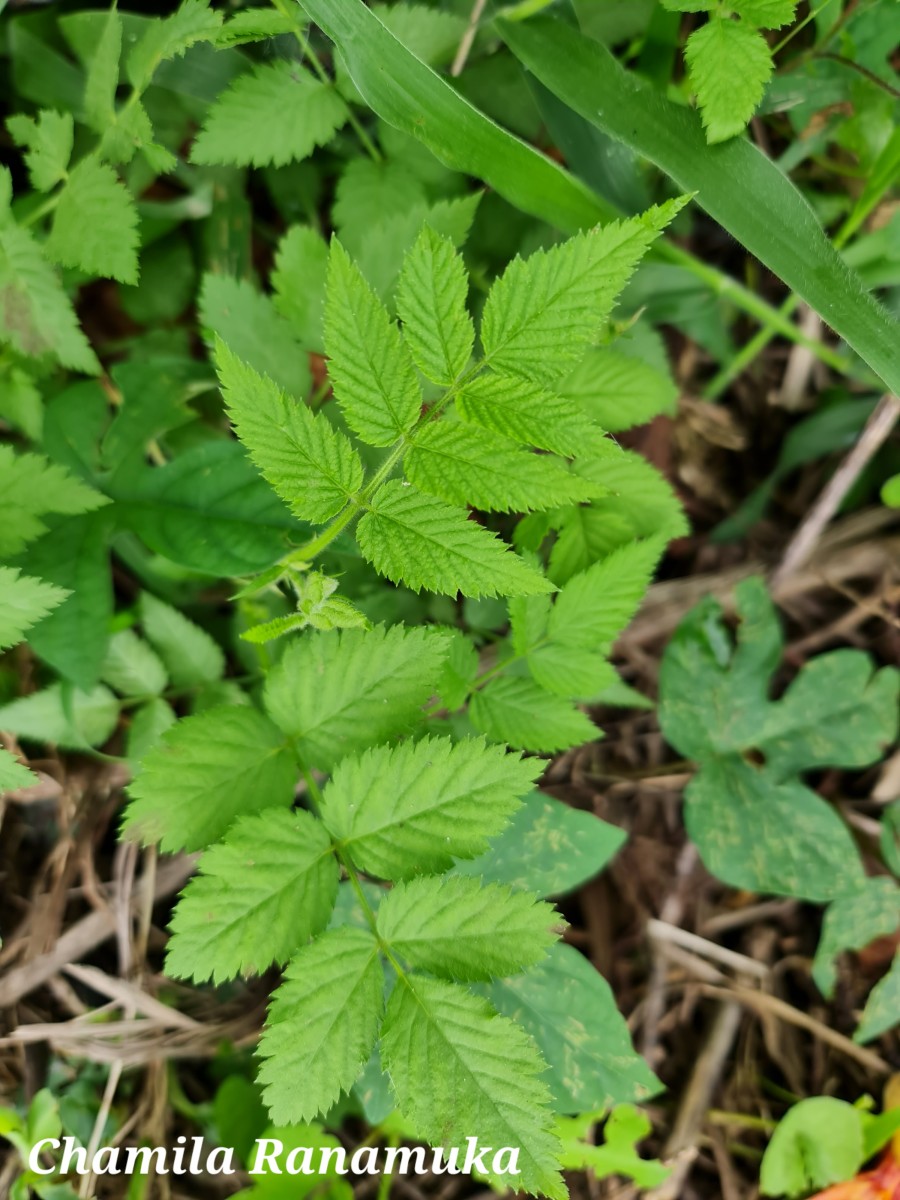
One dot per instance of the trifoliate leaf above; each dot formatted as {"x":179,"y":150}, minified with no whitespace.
{"x":413,"y":808}
{"x":548,"y":848}
{"x":767,"y":14}
{"x":132,"y":667}
{"x":882,"y":1007}
{"x":460,"y":1070}
{"x":839,"y":711}
{"x":48,"y":140}
{"x":420,"y":541}
{"x":206,"y":772}
{"x":567,"y":1006}
{"x":336,"y":693}
{"x":298,"y":280}
{"x":526,"y":412}
{"x":63,"y":716}
{"x":32,"y":486}
{"x":322,"y":1026}
{"x":852,"y":922}
{"x":260,"y":895}
{"x":36,"y":316}
{"x":370,"y":367}
{"x":461,"y":928}
{"x":317,"y":606}
{"x":431,"y":301}
{"x":276,"y":114}
{"x":617,"y":1154}
{"x":818,"y":1142}
{"x":190,"y":655}
{"x":246,"y":321}
{"x":95,"y":226}
{"x":729,"y":65}
{"x":310,"y":464}
{"x":170,"y":37}
{"x":23,"y":602}
{"x":465,"y":465}
{"x":517,"y":711}
{"x":13,"y":775}
{"x":618,"y":391}
{"x":545,"y":310}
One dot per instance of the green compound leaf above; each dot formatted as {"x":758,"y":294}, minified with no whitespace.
{"x":48,"y":140}
{"x":459,"y":1070}
{"x":95,"y":224}
{"x":32,"y":486}
{"x":274,"y":115}
{"x":817,"y":1143}
{"x":261,"y":893}
{"x":525,"y":412}
{"x":336,"y":693}
{"x":880,"y":1013}
{"x":207,"y":771}
{"x":852,"y":922}
{"x":737,"y":816}
{"x":370,"y":367}
{"x":249,"y":325}
{"x":36,"y":317}
{"x":460,"y":928}
{"x":729,"y":66}
{"x":567,"y":1006}
{"x":418,"y":540}
{"x":517,"y":711}
{"x":13,"y":775}
{"x":322,"y":1026}
{"x":413,"y":809}
{"x":544,"y":311}
{"x":465,"y":465}
{"x":431,"y":302}
{"x":23,"y":602}
{"x":548,"y":849}
{"x":190,"y":655}
{"x":309,"y":463}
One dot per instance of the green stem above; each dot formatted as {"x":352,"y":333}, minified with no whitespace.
{"x":765,"y":313}
{"x":315,"y":795}
{"x":758,"y":343}
{"x":358,"y":503}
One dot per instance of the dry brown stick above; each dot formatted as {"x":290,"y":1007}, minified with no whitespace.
{"x":671,"y":912}
{"x":765,"y":1003}
{"x":468,"y":38}
{"x":86,"y":934}
{"x":877,"y":429}
{"x":697,"y":1098}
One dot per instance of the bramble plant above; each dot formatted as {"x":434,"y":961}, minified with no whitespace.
{"x":331,"y":542}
